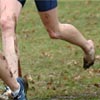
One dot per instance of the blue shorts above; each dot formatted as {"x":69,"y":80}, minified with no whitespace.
{"x":22,"y":2}
{"x":45,"y":5}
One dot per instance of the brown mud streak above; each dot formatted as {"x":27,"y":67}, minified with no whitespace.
{"x":11,"y":74}
{"x":16,"y":48}
{"x":2,"y":57}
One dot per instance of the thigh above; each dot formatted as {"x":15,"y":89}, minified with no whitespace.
{"x":45,"y":5}
{"x":10,"y":8}
{"x":48,"y":13}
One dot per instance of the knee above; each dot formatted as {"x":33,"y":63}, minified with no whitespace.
{"x":7,"y":23}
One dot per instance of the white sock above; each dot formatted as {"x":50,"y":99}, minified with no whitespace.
{"x":15,"y":93}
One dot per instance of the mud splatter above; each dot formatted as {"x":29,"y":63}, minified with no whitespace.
{"x":11,"y":74}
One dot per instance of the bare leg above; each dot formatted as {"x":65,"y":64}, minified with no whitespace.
{"x":18,"y":87}
{"x":9,"y":12}
{"x":67,"y":32}
{"x":6,"y":75}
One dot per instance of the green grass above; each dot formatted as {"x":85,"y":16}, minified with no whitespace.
{"x":54,"y":65}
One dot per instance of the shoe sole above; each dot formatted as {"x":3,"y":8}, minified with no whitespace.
{"x":87,"y":65}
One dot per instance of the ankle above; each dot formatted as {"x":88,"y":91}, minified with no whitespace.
{"x":89,"y":47}
{"x":15,"y":93}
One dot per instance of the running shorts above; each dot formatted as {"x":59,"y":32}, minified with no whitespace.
{"x":22,"y":2}
{"x":45,"y":5}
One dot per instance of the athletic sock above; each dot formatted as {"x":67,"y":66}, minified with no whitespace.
{"x":15,"y":93}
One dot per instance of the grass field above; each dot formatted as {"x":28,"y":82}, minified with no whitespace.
{"x":55,"y":66}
